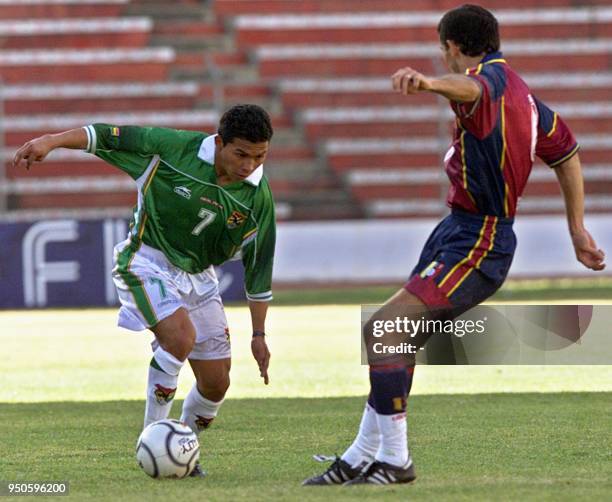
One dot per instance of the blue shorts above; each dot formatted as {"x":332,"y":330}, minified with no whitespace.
{"x":464,"y":261}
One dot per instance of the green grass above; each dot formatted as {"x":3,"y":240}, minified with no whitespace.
{"x":540,"y":290}
{"x":534,"y":446}
{"x":81,"y":356}
{"x":71,"y":409}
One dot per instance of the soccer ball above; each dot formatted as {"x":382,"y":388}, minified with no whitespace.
{"x":167,"y":449}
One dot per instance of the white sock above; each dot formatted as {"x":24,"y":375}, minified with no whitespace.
{"x":199,"y":412}
{"x":393,"y":439}
{"x":161,"y":385}
{"x":366,"y":443}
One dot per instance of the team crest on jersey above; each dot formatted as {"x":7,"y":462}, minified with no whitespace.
{"x":431,"y":270}
{"x":115,"y":131}
{"x":236,"y":219}
{"x":164,"y":394}
{"x":183,"y":192}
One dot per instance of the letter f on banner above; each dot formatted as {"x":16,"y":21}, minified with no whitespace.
{"x":36,"y":271}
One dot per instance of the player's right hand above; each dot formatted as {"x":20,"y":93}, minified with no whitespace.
{"x":409,"y":81}
{"x":34,"y":150}
{"x":587,"y":252}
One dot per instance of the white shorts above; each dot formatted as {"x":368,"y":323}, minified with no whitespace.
{"x":154,"y":289}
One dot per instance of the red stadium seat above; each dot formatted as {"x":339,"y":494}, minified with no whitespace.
{"x":346,"y":146}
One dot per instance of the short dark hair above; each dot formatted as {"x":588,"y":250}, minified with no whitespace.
{"x":473,"y":28}
{"x":248,"y":122}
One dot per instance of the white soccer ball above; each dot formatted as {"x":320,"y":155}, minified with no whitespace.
{"x":167,"y":449}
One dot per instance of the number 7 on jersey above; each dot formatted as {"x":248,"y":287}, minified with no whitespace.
{"x":207,"y":218}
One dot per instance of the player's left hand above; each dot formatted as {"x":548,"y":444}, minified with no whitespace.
{"x":587,"y":252}
{"x":260,"y":351}
{"x":409,"y":81}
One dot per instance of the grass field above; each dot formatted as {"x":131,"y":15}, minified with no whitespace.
{"x":71,"y":409}
{"x":579,"y":290}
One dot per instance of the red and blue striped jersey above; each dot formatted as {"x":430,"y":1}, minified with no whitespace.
{"x":497,"y":138}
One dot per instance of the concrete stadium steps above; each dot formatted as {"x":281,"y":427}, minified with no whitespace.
{"x":94,"y":192}
{"x":111,"y":182}
{"x":288,"y":189}
{"x":238,"y":92}
{"x":346,"y":154}
{"x":92,"y":65}
{"x":282,"y":167}
{"x":396,"y":128}
{"x":200,"y":64}
{"x":171,"y":10}
{"x":420,"y":192}
{"x":409,"y":26}
{"x":81,"y":98}
{"x":50,"y":9}
{"x":329,"y":60}
{"x":75,"y":33}
{"x":404,"y":121}
{"x":78,"y":164}
{"x":401,"y":208}
{"x":181,"y":3}
{"x":293,"y":57}
{"x":432,"y":192}
{"x":71,"y":178}
{"x":376,"y":91}
{"x":430,"y":183}
{"x":597,"y":187}
{"x":291,"y":166}
{"x":99,"y":97}
{"x":24,"y":127}
{"x":75,"y":168}
{"x":237,"y":7}
{"x":73,"y":200}
{"x":315,"y":205}
{"x":187,"y":27}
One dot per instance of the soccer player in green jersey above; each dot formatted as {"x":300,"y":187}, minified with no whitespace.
{"x":202,"y":200}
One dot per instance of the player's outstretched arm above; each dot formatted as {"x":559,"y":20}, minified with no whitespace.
{"x":259,"y":348}
{"x":37,"y":149}
{"x":569,"y":174}
{"x":458,"y":88}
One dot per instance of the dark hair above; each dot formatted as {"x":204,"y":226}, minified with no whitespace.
{"x":473,"y":28}
{"x":248,"y":122}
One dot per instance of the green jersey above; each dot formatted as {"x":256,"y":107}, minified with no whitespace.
{"x":183,"y":211}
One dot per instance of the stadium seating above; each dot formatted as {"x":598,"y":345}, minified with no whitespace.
{"x":345,"y":145}
{"x":332,"y":69}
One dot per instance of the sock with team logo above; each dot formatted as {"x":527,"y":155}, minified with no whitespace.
{"x":161,"y":386}
{"x":366,"y":444}
{"x":199,"y":412}
{"x":390,"y":388}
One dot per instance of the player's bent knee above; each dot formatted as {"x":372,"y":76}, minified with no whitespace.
{"x":183,"y":343}
{"x":212,"y":376}
{"x":215,"y":388}
{"x":176,"y":334}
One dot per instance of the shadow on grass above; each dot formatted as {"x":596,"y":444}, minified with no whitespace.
{"x":480,"y":445}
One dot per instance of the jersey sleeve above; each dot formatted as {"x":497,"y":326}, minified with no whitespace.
{"x":556,"y":143}
{"x":130,"y":148}
{"x":479,"y":117}
{"x":258,"y":254}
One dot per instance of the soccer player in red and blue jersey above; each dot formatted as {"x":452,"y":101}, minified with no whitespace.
{"x":500,"y":129}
